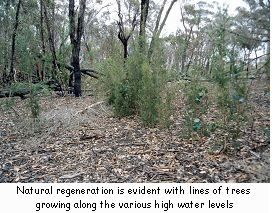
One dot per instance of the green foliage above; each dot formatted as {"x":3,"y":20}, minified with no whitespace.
{"x":137,"y":87}
{"x":210,"y":128}
{"x":34,"y":96}
{"x":149,"y":97}
{"x":197,"y":105}
{"x":221,"y":78}
{"x":223,"y":99}
{"x":165,"y":108}
{"x":114,"y":74}
{"x":7,"y":104}
{"x":197,"y":96}
{"x":196,"y":124}
{"x":122,"y":100}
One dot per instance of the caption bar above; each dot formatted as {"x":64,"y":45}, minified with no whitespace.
{"x":135,"y":197}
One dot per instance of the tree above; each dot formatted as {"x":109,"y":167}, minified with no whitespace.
{"x":50,"y":40}
{"x":252,"y":29}
{"x":76,"y":31}
{"x":194,"y":19}
{"x":11,"y":74}
{"x":41,"y":75}
{"x":159,"y":26}
{"x":124,"y":33}
{"x":143,"y":19}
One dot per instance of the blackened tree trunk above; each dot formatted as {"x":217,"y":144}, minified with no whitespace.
{"x":75,"y":38}
{"x":11,"y":74}
{"x":125,"y":50}
{"x":123,"y":35}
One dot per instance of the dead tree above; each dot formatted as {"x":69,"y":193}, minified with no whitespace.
{"x":123,"y":34}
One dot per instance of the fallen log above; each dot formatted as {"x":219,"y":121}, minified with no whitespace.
{"x":19,"y":93}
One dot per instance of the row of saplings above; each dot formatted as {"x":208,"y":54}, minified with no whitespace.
{"x":141,"y":88}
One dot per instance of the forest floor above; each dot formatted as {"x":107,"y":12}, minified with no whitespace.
{"x":75,"y":144}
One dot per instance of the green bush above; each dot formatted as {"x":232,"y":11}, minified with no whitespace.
{"x":35,"y":91}
{"x":123,"y":99}
{"x":137,"y":87}
{"x":149,"y":96}
{"x":196,"y":108}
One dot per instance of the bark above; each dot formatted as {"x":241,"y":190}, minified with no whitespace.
{"x":143,"y":20}
{"x":75,"y":38}
{"x":11,"y":74}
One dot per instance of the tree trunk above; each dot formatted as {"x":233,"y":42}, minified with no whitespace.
{"x":125,"y":51}
{"x":143,"y":20}
{"x":51,"y":41}
{"x":76,"y":72}
{"x":6,"y":45}
{"x":183,"y":58}
{"x":159,"y":27}
{"x":42,"y":73}
{"x":11,"y":74}
{"x":75,"y":38}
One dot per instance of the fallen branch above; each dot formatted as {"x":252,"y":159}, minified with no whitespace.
{"x":86,"y":71}
{"x":20,"y":93}
{"x":88,"y":107}
{"x":89,"y":74}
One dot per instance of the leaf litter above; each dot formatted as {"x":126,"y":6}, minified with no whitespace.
{"x":77,"y":143}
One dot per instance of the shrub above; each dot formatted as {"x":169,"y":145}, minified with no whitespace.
{"x":137,"y":87}
{"x":35,"y":90}
{"x":196,"y":107}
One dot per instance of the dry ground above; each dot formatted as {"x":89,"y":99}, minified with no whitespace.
{"x":71,"y":145}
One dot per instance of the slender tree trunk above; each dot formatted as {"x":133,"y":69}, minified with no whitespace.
{"x":11,"y":74}
{"x":183,"y":58}
{"x":156,"y":28}
{"x":42,"y":74}
{"x":6,"y":46}
{"x":51,"y":42}
{"x":189,"y":64}
{"x":159,"y":27}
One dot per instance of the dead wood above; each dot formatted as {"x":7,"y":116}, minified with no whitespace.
{"x":88,"y":107}
{"x":19,"y":93}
